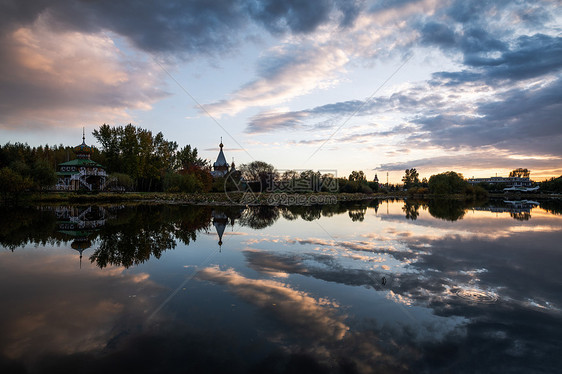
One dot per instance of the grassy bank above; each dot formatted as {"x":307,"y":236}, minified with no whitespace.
{"x":218,"y":198}
{"x":221,"y":198}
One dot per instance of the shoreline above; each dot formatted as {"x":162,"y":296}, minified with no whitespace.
{"x":273,"y":199}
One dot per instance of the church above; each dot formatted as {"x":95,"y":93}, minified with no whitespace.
{"x":82,"y":172}
{"x":221,"y":168}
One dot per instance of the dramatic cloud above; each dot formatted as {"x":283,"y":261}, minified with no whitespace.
{"x":488,"y":73}
{"x":68,"y":78}
{"x":299,"y":16}
{"x":287,"y":73}
{"x":530,"y":57}
{"x":47,"y":47}
{"x":477,"y":160}
{"x":521,"y":120}
{"x":304,"y":63}
{"x":179,"y":27}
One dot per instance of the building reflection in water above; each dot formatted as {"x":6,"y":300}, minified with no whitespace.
{"x":80,"y":224}
{"x":221,"y":218}
{"x":519,"y":210}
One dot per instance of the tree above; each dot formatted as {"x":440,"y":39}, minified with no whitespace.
{"x":553,"y":185}
{"x":253,"y":170}
{"x":520,"y":173}
{"x":447,"y":183}
{"x":42,"y":175}
{"x":259,"y":174}
{"x":357,"y":176}
{"x":187,"y":157}
{"x":13,"y":184}
{"x":411,"y":178}
{"x":120,"y":182}
{"x":108,"y":138}
{"x":290,"y":175}
{"x":145,"y":157}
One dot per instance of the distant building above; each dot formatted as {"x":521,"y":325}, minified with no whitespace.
{"x":508,"y":181}
{"x":82,"y":172}
{"x":221,"y":167}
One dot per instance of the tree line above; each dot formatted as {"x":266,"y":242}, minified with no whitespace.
{"x":139,"y":160}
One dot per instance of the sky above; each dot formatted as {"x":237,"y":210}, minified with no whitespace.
{"x":329,"y":85}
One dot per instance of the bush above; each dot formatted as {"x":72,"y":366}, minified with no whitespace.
{"x":447,"y":183}
{"x":477,"y":191}
{"x":182,"y":183}
{"x":347,"y":186}
{"x":120,"y":181}
{"x":552,"y":185}
{"x":12,"y":184}
{"x":450,"y":183}
{"x":374,"y":186}
{"x":418,"y":191}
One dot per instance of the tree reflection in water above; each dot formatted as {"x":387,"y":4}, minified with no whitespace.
{"x":292,"y":290}
{"x":411,"y":208}
{"x":132,"y":234}
{"x":455,"y":209}
{"x":259,"y":217}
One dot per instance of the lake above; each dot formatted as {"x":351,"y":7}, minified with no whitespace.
{"x":380,"y":286}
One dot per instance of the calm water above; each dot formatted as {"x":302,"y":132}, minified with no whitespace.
{"x":387,"y":286}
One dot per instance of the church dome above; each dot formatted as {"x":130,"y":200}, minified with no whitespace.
{"x":83,"y":150}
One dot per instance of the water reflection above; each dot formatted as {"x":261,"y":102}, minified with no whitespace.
{"x":392,"y":286}
{"x":79,"y":223}
{"x":455,"y":209}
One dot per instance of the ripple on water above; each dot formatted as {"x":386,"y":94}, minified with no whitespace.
{"x":477,"y":296}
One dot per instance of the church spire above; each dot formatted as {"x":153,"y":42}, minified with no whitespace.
{"x":221,"y":145}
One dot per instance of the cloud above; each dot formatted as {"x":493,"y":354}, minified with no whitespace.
{"x":44,"y":41}
{"x":519,"y":119}
{"x":313,"y":118}
{"x":522,"y":120}
{"x":314,"y":61}
{"x":270,"y":121}
{"x":490,"y":52}
{"x":173,"y":26}
{"x":68,"y":78}
{"x":475,"y":160}
{"x":301,"y":16}
{"x":287,"y":72}
{"x":531,"y":57}
{"x":180,"y":27}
